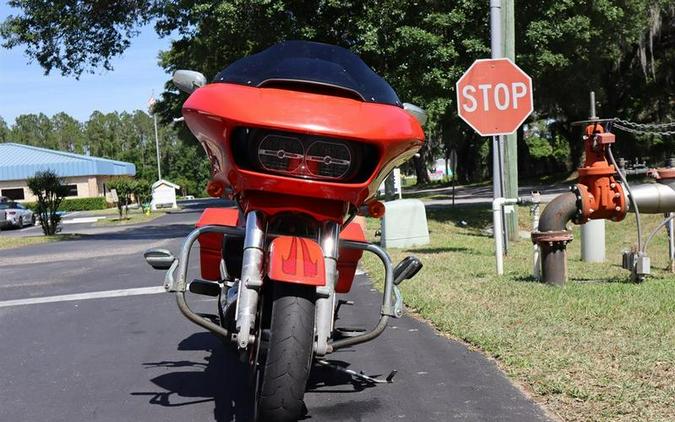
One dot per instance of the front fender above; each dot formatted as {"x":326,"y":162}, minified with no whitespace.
{"x":296,"y":260}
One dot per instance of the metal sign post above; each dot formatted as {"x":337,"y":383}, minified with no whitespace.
{"x":494,"y":96}
{"x":453,"y":168}
{"x":497,"y":140}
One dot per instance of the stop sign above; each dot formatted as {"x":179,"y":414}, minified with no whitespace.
{"x":494,"y":96}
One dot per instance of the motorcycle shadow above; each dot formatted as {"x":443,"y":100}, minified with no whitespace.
{"x":222,"y":379}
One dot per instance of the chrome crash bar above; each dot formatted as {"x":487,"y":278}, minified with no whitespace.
{"x":392,"y":303}
{"x":179,"y":285}
{"x":389,"y":309}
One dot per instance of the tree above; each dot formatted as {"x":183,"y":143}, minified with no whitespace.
{"x":621,"y":49}
{"x":141,"y":190}
{"x":119,"y":136}
{"x":33,"y":129}
{"x":4,"y":131}
{"x":50,"y":191}
{"x":124,"y":187}
{"x":67,"y":133}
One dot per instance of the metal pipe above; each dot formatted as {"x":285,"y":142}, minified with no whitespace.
{"x":552,"y":223}
{"x":498,"y":235}
{"x":593,"y":232}
{"x":536,"y":252}
{"x":497,"y":222}
{"x":497,"y":141}
{"x":201,"y":321}
{"x":670,"y":228}
{"x":325,"y":301}
{"x":251,"y":277}
{"x":180,"y":284}
{"x":631,"y":198}
{"x":388,"y":310}
{"x":496,"y":29}
{"x":653,"y":233}
{"x":654,"y":198}
{"x":159,"y":162}
{"x":351,"y":341}
{"x":593,"y":241}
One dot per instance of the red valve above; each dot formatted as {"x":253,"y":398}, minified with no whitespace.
{"x":599,"y":196}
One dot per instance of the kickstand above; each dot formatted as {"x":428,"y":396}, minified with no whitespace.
{"x":359,"y":375}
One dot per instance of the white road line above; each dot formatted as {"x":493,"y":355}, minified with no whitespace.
{"x":84,"y":296}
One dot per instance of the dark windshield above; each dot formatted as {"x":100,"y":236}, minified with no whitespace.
{"x":312,"y":63}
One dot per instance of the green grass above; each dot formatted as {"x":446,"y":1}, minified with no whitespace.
{"x":600,"y":348}
{"x":135,"y":216}
{"x":111,"y":211}
{"x":7,"y":242}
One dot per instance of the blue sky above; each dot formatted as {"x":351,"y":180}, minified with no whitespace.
{"x":25,"y":89}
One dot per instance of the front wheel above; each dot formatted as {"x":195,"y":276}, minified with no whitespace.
{"x":282,"y":371}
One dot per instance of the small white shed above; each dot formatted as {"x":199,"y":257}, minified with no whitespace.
{"x":163,"y":195}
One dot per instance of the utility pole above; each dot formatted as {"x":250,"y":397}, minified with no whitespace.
{"x":151,"y":109}
{"x":510,"y":141}
{"x":159,"y":164}
{"x":497,"y":141}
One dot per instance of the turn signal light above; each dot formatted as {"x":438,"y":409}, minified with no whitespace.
{"x":215,"y":188}
{"x":376,"y":209}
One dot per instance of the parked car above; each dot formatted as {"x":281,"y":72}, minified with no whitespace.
{"x":3,"y":216}
{"x":16,"y":215}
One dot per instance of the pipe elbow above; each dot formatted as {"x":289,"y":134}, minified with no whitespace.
{"x":558,"y":212}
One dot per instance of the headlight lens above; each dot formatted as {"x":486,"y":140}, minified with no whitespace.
{"x":281,"y":153}
{"x":304,"y":157}
{"x":328,"y":159}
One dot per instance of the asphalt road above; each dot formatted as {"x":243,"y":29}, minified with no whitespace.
{"x":136,"y":358}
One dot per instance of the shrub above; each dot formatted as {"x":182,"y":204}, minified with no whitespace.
{"x":124,"y":187}
{"x":76,"y":204}
{"x":50,"y":190}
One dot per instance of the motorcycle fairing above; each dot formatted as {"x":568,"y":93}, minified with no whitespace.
{"x":349,"y":258}
{"x":296,"y":260}
{"x":215,"y":110}
{"x":211,"y":244}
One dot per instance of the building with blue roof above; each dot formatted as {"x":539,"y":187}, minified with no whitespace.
{"x":85,"y":175}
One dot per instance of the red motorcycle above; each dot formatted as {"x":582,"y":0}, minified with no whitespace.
{"x":300,"y":136}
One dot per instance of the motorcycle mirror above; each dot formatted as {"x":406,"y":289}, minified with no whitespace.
{"x":159,"y":259}
{"x":417,"y":112}
{"x":188,"y":80}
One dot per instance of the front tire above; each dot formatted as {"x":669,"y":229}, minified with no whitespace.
{"x":283,"y":377}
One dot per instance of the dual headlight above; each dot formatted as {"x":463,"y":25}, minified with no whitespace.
{"x":303,"y":156}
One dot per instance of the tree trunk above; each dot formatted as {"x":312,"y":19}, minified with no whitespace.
{"x":421,"y":171}
{"x":421,"y":166}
